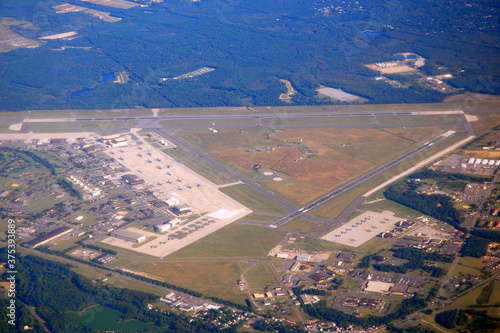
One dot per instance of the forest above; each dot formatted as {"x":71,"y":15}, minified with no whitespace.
{"x":438,"y":206}
{"x":251,"y":45}
{"x":46,"y":285}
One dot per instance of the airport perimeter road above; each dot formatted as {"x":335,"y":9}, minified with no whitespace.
{"x":356,"y":182}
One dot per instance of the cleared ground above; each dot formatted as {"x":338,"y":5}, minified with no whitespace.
{"x":362,"y":228}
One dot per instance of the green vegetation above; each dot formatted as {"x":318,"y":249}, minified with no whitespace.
{"x":451,"y":318}
{"x":44,"y":79}
{"x":475,"y":247}
{"x":261,"y":276}
{"x":232,"y":241}
{"x":209,"y":171}
{"x":484,"y":297}
{"x":68,"y":187}
{"x":46,"y":284}
{"x":252,"y":199}
{"x":343,"y":320}
{"x":436,"y":205}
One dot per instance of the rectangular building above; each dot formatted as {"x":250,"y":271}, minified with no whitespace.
{"x":129,"y":236}
{"x":49,"y":236}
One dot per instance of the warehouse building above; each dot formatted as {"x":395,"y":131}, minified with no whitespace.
{"x":49,"y":236}
{"x":129,"y":236}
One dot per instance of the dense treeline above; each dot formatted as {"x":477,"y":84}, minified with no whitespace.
{"x":68,"y":187}
{"x":342,"y":319}
{"x":427,"y":173}
{"x":475,"y":321}
{"x":475,"y":247}
{"x":46,"y":285}
{"x":23,"y":317}
{"x":492,"y":235}
{"x":451,"y":318}
{"x":438,"y":206}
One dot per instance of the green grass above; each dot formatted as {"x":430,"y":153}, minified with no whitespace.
{"x":261,"y":276}
{"x":210,"y":172}
{"x":300,"y":224}
{"x":178,"y":153}
{"x":210,"y":277}
{"x":261,"y":218}
{"x":103,"y":318}
{"x":180,"y":123}
{"x":317,"y":121}
{"x":233,"y":241}
{"x":400,"y":210}
{"x":41,"y":203}
{"x":252,"y":199}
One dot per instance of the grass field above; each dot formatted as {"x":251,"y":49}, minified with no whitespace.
{"x":333,"y":208}
{"x":261,"y":276}
{"x":417,"y":119}
{"x":207,"y":123}
{"x":102,"y":318}
{"x":85,"y":126}
{"x":210,"y":277}
{"x":261,"y":218}
{"x":178,"y":153}
{"x":252,"y":199}
{"x":210,"y":172}
{"x":300,"y":224}
{"x":233,"y":241}
{"x":315,"y":121}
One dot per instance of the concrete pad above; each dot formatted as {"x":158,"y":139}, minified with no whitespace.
{"x":362,"y":228}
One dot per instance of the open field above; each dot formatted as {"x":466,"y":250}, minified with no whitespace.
{"x":417,"y":118}
{"x":207,"y":123}
{"x":252,"y":199}
{"x":234,"y":241}
{"x":261,"y":276}
{"x":334,"y":207}
{"x":261,"y":218}
{"x":315,"y":121}
{"x":209,"y":171}
{"x":212,"y":278}
{"x":305,"y":158}
{"x":300,"y":224}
